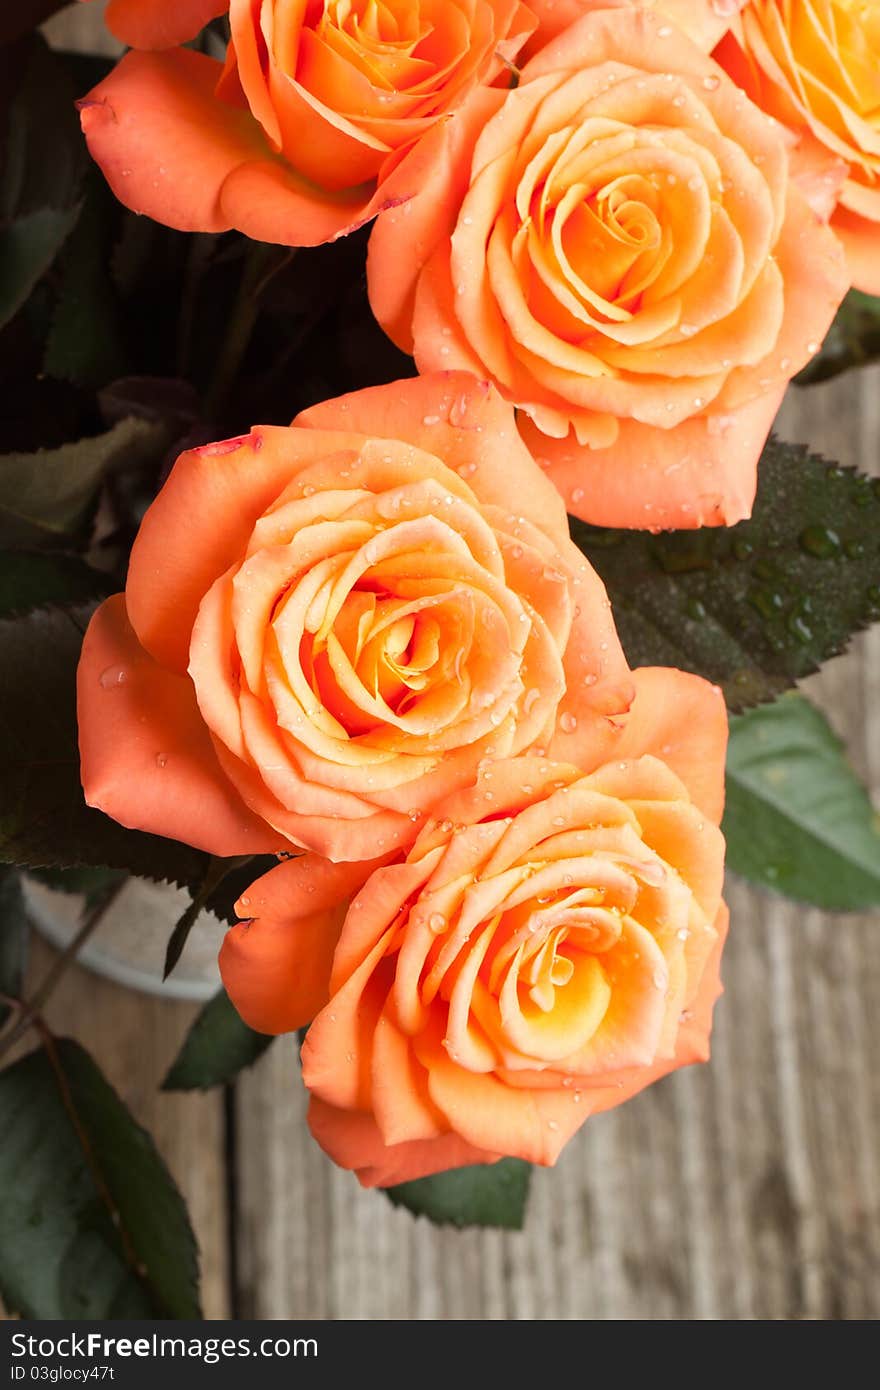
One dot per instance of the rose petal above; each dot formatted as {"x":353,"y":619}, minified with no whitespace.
{"x":276,"y":965}
{"x":353,"y":1140}
{"x":164,"y":142}
{"x":460,"y":420}
{"x":156,"y":24}
{"x":146,"y":757}
{"x":701,"y":473}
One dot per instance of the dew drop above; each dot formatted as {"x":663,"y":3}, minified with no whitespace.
{"x":820,"y":541}
{"x":161,"y":760}
{"x":437,"y":923}
{"x":113,"y":676}
{"x":568,"y":723}
{"x":711,"y":82}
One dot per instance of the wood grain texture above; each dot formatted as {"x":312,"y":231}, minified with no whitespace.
{"x":744,"y":1189}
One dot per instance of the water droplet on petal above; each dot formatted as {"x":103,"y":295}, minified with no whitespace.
{"x":113,"y":676}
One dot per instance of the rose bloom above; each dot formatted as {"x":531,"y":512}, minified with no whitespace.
{"x":815,"y":65}
{"x":299,"y":137}
{"x":548,"y":947}
{"x":617,"y":245}
{"x":326,"y":627}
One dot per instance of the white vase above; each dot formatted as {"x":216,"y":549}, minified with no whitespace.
{"x":128,"y":945}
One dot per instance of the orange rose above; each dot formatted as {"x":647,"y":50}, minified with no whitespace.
{"x":616,"y":244}
{"x":326,"y":627}
{"x":815,"y":65}
{"x":548,"y":947}
{"x":298,"y":138}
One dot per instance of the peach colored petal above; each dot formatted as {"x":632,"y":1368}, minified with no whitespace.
{"x":693,"y":1038}
{"x":861,"y":242}
{"x":173,"y":564}
{"x":156,"y":24}
{"x":353,"y":1140}
{"x":404,"y":237}
{"x":682,"y":720}
{"x":460,"y":420}
{"x":400,"y":1101}
{"x":146,"y":757}
{"x":329,"y":835}
{"x":629,"y":33}
{"x":702,"y":21}
{"x":701,"y":473}
{"x":276,"y":965}
{"x":165,"y":144}
{"x":816,"y":277}
{"x":269,"y":201}
{"x":338,"y":1049}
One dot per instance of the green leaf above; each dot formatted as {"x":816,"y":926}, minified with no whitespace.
{"x":28,"y":246}
{"x":32,"y":579}
{"x":756,"y":606}
{"x":85,"y":343}
{"x":797,"y":818}
{"x":216,"y":871}
{"x":91,"y":1222}
{"x":92,"y":884}
{"x":217,"y":1047}
{"x":43,"y":817}
{"x":44,"y":160}
{"x":488,"y":1194}
{"x":45,"y":497}
{"x":853,"y":339}
{"x":14,"y":934}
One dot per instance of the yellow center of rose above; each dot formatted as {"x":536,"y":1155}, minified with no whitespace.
{"x":559,"y":940}
{"x":377,"y":624}
{"x":614,"y":251}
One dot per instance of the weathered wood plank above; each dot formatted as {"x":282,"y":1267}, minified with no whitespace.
{"x":745,"y":1189}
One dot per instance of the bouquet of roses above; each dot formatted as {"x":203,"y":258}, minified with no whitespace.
{"x":427,"y":691}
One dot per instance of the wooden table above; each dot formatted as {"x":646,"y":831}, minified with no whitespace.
{"x":748,"y":1188}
